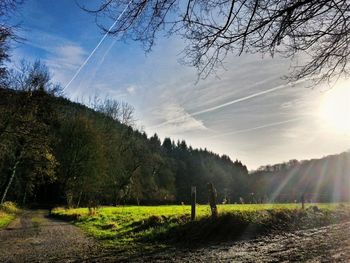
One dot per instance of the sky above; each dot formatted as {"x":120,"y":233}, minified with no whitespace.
{"x":246,"y":110}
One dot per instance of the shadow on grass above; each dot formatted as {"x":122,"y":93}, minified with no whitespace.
{"x":244,"y":225}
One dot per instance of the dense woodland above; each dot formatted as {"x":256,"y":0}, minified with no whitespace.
{"x":54,"y":151}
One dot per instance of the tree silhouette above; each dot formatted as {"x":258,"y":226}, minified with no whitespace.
{"x":315,"y":29}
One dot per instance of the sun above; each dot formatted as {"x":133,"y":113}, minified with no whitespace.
{"x":335,"y":108}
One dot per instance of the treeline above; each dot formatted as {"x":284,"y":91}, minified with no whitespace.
{"x":319,"y":180}
{"x":60,"y":152}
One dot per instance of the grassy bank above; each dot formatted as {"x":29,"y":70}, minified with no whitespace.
{"x":8,"y":212}
{"x":132,"y":225}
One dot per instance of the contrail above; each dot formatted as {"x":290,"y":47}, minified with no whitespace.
{"x":283,"y":86}
{"x":256,"y":128}
{"x":98,"y":65}
{"x":97,"y":46}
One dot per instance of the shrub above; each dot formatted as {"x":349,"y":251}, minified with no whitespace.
{"x":9,"y":207}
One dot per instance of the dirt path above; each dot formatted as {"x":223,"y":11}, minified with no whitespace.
{"x":35,"y":238}
{"x":326,"y":244}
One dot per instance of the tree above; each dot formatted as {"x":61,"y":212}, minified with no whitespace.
{"x":27,"y":144}
{"x":155,"y":142}
{"x":133,"y":155}
{"x":7,"y":8}
{"x":80,"y":155}
{"x":25,"y":123}
{"x":213,"y":29}
{"x":167,"y":145}
{"x":33,"y":77}
{"x":120,"y":111}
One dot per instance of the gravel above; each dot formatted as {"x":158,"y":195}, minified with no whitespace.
{"x":33,"y":237}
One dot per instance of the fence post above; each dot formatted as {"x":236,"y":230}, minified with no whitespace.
{"x":303,"y":201}
{"x":212,"y":199}
{"x":193,"y":202}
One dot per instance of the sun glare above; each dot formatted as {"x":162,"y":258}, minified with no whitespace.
{"x":335,"y":108}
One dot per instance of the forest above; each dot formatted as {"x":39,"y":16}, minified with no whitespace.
{"x":58,"y":152}
{"x":54,"y":151}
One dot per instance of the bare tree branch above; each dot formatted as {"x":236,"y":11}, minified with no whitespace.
{"x":317,"y":29}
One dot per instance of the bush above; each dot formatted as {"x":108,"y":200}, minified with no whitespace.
{"x":9,"y":207}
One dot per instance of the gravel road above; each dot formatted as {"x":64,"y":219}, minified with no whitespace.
{"x":36,"y":238}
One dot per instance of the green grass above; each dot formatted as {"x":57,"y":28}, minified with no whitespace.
{"x":8,"y":212}
{"x":131,"y":225}
{"x":5,"y":219}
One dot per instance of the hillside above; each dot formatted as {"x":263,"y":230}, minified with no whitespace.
{"x":58,"y":152}
{"x":325,"y":179}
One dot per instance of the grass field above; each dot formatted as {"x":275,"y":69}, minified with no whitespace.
{"x":8,"y":212}
{"x":129,"y":225}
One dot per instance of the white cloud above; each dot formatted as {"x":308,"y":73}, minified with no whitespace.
{"x":68,"y":56}
{"x":64,"y":58}
{"x":131,"y":90}
{"x":178,"y":120}
{"x":61,"y":55}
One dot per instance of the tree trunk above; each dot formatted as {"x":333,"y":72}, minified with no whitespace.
{"x":193,"y":202}
{"x":10,"y":182}
{"x":69,"y":198}
{"x":116,"y":197}
{"x":24,"y":197}
{"x":79,"y":199}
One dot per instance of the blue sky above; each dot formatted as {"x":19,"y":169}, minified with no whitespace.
{"x":246,"y":110}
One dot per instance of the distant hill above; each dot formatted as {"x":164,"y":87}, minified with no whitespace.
{"x":325,"y":179}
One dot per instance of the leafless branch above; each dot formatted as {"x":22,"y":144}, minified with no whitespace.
{"x":215,"y":28}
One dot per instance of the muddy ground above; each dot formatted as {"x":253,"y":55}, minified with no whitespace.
{"x":326,"y":244}
{"x":36,"y":238}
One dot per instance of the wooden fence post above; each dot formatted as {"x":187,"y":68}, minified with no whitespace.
{"x":193,"y":202}
{"x":212,"y":200}
{"x":303,"y":201}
